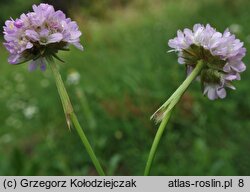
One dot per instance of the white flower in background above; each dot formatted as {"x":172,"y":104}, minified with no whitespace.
{"x":73,"y":78}
{"x":30,"y":111}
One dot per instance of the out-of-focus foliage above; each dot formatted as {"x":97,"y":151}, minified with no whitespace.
{"x":89,"y":8}
{"x":120,"y":79}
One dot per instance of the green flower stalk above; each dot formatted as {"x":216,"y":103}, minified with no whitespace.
{"x":67,"y":106}
{"x":71,"y":117}
{"x":164,"y":112}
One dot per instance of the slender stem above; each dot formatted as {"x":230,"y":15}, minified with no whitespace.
{"x":169,"y":104}
{"x":72,"y":118}
{"x":86,"y":109}
{"x":67,"y":106}
{"x":87,"y":144}
{"x":165,"y":112}
{"x":156,"y":143}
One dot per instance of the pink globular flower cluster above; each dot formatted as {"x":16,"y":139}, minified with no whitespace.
{"x":222,"y":54}
{"x":38,"y":36}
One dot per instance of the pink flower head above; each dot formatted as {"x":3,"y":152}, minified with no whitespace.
{"x":38,"y":36}
{"x":222,"y":54}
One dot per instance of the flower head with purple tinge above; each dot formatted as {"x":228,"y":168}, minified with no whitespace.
{"x":222,"y":54}
{"x":38,"y":36}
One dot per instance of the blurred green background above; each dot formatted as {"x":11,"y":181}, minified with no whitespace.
{"x":120,"y":79}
